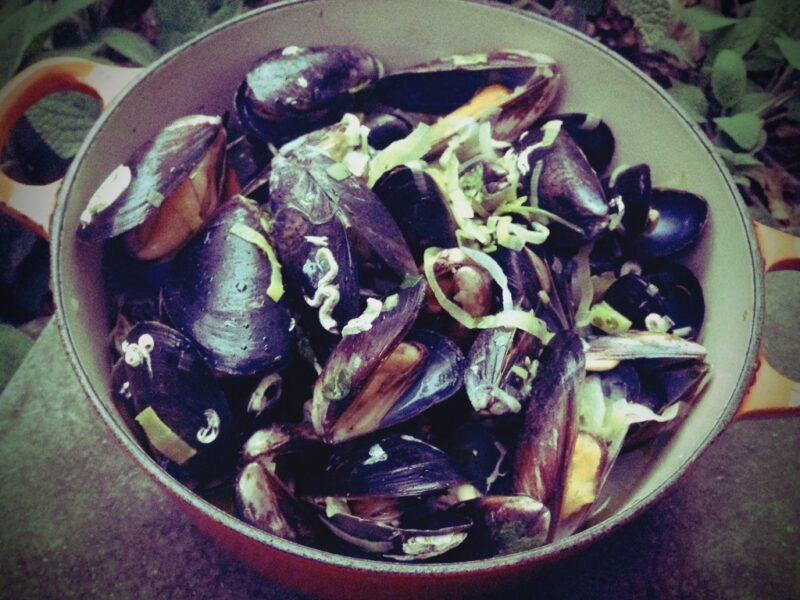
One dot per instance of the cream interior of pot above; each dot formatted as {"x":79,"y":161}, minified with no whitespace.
{"x":203,"y":78}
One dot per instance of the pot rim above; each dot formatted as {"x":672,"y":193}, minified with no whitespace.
{"x":542,"y":554}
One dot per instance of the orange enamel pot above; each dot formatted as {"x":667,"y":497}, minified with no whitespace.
{"x":202,"y":76}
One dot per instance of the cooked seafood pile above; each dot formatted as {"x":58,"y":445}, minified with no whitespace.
{"x":404,"y":315}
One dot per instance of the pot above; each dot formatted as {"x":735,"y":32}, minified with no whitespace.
{"x":203,"y":75}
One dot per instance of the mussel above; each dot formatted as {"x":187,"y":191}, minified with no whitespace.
{"x":385,"y":374}
{"x":522,"y":84}
{"x":593,"y":136}
{"x":380,"y":496}
{"x":235,"y":314}
{"x":558,"y":178}
{"x":417,"y":205}
{"x":547,"y":439}
{"x":164,"y":193}
{"x":294,"y":90}
{"x":178,"y":403}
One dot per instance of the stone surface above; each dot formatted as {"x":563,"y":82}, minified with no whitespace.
{"x":82,"y":521}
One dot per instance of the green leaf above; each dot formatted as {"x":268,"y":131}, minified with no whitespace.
{"x":736,"y":160}
{"x":743,"y":128}
{"x":753,"y":102}
{"x":60,"y":11}
{"x":652,"y":18}
{"x":180,"y":16}
{"x":790,"y":50}
{"x":15,"y":345}
{"x":131,"y":45}
{"x":63,"y":119}
{"x":181,"y":20}
{"x":781,"y":18}
{"x":21,"y":27}
{"x":703,"y":18}
{"x":16,"y":34}
{"x":739,"y":38}
{"x":692,"y":98}
{"x":728,"y":78}
{"x":675,"y":48}
{"x":227,"y":10}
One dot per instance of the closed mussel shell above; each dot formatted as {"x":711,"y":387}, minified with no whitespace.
{"x":293,"y":90}
{"x":555,"y":174}
{"x":177,"y":401}
{"x":224,"y":294}
{"x":180,"y":170}
{"x":417,"y":206}
{"x":633,"y":185}
{"x":394,"y":465}
{"x":592,"y":135}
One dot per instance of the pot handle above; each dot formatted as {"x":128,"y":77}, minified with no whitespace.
{"x":770,"y":392}
{"x":32,"y":205}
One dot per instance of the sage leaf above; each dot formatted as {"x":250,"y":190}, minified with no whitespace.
{"x":781,"y":19}
{"x":743,"y":128}
{"x":692,"y":98}
{"x":63,"y":119}
{"x":131,"y":45}
{"x":652,"y":18}
{"x":739,"y":38}
{"x":58,"y":12}
{"x":736,"y":160}
{"x":24,"y":25}
{"x":728,"y":78}
{"x":703,"y":18}
{"x":16,"y":34}
{"x":790,"y":50}
{"x":753,"y":102}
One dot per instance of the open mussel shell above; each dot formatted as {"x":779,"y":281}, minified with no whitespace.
{"x":356,"y":356}
{"x":294,"y":90}
{"x":506,"y":524}
{"x":218,"y":294}
{"x":670,"y":290}
{"x":165,"y":192}
{"x":423,"y":536}
{"x":677,"y":219}
{"x":548,"y":433}
{"x":425,"y":369}
{"x":177,"y":402}
{"x":414,"y":200}
{"x":593,"y":136}
{"x":633,"y":185}
{"x":528,"y":84}
{"x":391,"y":466}
{"x":632,"y":296}
{"x":386,"y":128}
{"x":557,"y":177}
